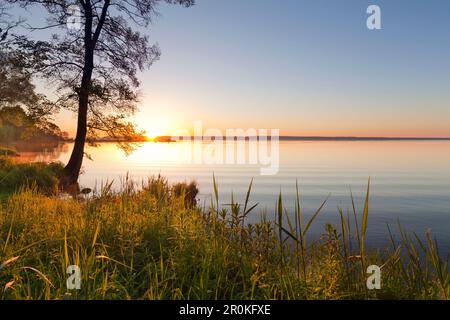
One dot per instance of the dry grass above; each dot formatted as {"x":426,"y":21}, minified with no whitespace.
{"x":153,"y":244}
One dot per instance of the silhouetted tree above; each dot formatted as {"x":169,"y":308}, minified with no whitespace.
{"x":24,"y":114}
{"x":95,"y":65}
{"x":15,"y":80}
{"x":5,"y":26}
{"x":16,"y":125}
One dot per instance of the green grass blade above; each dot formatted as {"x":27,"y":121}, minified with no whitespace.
{"x":308,"y":225}
{"x":364,"y":219}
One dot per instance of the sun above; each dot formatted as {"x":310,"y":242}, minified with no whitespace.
{"x":155,"y":128}
{"x":153,"y":133}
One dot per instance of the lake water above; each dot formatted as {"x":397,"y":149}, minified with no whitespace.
{"x":410,"y":179}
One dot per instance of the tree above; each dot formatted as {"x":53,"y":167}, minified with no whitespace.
{"x":15,"y":81}
{"x":24,"y":114}
{"x":4,"y":26}
{"x":16,"y":124}
{"x":95,"y":60}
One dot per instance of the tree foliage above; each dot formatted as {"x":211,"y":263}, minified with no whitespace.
{"x":94,"y":57}
{"x":16,"y":124}
{"x":120,"y":51}
{"x":24,"y":114}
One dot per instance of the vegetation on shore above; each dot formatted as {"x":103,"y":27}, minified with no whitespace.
{"x":18,"y":125}
{"x":15,"y":176}
{"x":8,"y":152}
{"x":152,"y":242}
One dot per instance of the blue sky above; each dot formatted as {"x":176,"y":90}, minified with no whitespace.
{"x":307,"y":67}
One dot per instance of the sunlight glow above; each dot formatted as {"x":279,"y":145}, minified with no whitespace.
{"x":155,"y":127}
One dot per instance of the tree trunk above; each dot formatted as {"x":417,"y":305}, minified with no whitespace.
{"x":72,"y":170}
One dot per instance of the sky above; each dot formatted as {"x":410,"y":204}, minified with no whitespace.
{"x":306,"y":67}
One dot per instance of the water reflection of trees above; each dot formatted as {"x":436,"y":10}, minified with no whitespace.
{"x":40,"y":151}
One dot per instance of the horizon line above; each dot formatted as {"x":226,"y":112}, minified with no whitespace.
{"x":289,"y":137}
{"x":164,"y":138}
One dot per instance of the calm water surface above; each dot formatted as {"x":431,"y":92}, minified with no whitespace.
{"x":410,"y":179}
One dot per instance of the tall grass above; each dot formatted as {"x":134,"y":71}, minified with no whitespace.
{"x":151,"y":243}
{"x":8,"y":152}
{"x":14,"y":176}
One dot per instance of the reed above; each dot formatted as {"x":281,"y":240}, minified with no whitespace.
{"x":14,"y":176}
{"x":149,"y":242}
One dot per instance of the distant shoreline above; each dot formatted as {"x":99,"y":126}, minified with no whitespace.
{"x":168,"y":139}
{"x":318,"y":138}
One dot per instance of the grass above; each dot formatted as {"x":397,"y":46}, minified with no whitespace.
{"x":14,"y":176}
{"x":151,"y":243}
{"x":8,"y":152}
